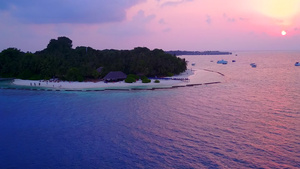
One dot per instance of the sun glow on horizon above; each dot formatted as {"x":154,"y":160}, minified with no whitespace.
{"x":280,"y":8}
{"x":283,"y":11}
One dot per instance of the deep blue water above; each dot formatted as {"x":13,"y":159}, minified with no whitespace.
{"x":250,"y":120}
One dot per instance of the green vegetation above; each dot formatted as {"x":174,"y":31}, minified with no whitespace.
{"x":144,"y":77}
{"x":135,"y":77}
{"x":146,"y":80}
{"x":61,"y":61}
{"x":170,"y":74}
{"x":131,"y":78}
{"x":74,"y":74}
{"x":156,"y":81}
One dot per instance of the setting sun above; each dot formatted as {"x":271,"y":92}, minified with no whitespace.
{"x":283,"y":33}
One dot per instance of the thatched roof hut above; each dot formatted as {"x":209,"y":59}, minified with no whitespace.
{"x":115,"y":76}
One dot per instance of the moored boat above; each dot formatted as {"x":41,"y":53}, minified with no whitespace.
{"x":297,"y":64}
{"x":253,"y":65}
{"x":224,"y":62}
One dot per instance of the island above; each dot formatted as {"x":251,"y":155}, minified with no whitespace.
{"x":179,"y":52}
{"x":59,"y":67}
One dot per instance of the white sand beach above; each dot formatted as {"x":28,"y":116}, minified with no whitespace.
{"x":194,"y":76}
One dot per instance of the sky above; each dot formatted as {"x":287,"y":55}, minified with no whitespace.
{"x":197,"y":25}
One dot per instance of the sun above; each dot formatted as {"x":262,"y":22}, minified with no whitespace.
{"x":283,"y":33}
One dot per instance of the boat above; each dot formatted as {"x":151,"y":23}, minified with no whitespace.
{"x":297,"y":64}
{"x":193,"y":64}
{"x":233,"y":60}
{"x":224,"y":62}
{"x":253,"y":65}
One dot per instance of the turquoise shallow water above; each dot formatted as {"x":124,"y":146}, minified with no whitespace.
{"x":250,"y":120}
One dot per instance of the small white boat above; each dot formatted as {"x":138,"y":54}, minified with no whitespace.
{"x":224,"y":62}
{"x":297,"y":64}
{"x":253,"y":65}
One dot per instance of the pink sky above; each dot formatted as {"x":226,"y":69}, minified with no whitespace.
{"x":165,"y":24}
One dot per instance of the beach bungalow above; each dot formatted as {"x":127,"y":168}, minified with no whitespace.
{"x":115,"y":76}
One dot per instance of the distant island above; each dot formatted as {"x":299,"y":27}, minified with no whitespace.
{"x":60,"y":61}
{"x":179,"y":52}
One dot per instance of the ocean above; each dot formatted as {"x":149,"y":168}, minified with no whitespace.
{"x":250,"y":120}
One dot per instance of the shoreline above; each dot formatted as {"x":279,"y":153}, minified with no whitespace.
{"x":196,"y":77}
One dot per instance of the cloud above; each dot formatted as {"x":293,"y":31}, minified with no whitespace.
{"x":167,"y":30}
{"x":162,"y":22}
{"x":243,"y":19}
{"x":231,"y":20}
{"x":228,"y":18}
{"x":135,"y":27}
{"x":68,"y":11}
{"x":174,"y":3}
{"x":208,"y":19}
{"x":142,"y":18}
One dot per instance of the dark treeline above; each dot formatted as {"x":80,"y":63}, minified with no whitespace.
{"x":61,"y":61}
